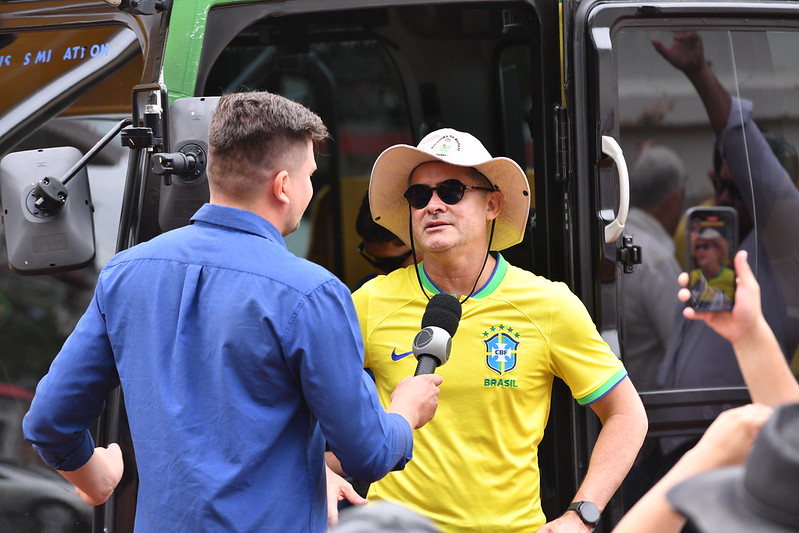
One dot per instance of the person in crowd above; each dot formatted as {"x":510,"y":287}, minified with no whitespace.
{"x":755,"y":188}
{"x":222,"y":343}
{"x":657,"y":194}
{"x":749,"y":178}
{"x":476,"y":465}
{"x":379,"y":247}
{"x":757,"y":351}
{"x":709,"y":485}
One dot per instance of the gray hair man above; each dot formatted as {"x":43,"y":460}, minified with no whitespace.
{"x":657,"y":192}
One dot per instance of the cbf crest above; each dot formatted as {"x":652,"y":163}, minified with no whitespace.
{"x":501,"y":349}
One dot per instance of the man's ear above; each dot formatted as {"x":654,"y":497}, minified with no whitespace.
{"x":280,"y":187}
{"x":494,"y":205}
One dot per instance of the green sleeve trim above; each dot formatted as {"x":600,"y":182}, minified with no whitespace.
{"x":614,"y":380}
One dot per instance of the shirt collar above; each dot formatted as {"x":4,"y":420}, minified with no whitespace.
{"x":490,"y":286}
{"x":238,"y":220}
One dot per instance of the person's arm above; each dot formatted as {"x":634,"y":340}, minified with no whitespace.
{"x":624,"y":426}
{"x":338,"y":489}
{"x":726,"y":442}
{"x":752,"y":162}
{"x":96,"y":480}
{"x":763,"y":365}
{"x":687,"y":54}
{"x":368,"y":440}
{"x":69,"y":399}
{"x":416,"y":399}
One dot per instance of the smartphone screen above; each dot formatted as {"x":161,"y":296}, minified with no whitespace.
{"x":711,"y":240}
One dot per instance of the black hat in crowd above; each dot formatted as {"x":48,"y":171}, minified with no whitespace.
{"x":759,"y":496}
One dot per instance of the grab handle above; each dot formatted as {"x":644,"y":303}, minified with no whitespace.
{"x":611,"y":148}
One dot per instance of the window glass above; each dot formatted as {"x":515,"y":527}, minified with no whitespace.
{"x":348,"y":78}
{"x":37,"y":313}
{"x":516,"y":82}
{"x":707,"y":118}
{"x":376,"y":78}
{"x":755,"y":128}
{"x":31,"y":60}
{"x":516,"y":78}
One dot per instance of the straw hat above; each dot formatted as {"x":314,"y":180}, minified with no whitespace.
{"x":393,"y":168}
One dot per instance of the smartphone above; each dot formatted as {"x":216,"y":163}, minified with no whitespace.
{"x":711,"y":241}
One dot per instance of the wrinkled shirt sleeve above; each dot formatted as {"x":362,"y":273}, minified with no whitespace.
{"x":71,"y":397}
{"x":368,"y":441}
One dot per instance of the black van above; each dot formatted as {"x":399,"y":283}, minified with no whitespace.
{"x":573,"y":91}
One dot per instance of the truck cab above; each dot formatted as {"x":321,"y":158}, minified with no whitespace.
{"x":109,"y":97}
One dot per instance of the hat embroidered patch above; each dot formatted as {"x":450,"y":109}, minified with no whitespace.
{"x":445,"y":145}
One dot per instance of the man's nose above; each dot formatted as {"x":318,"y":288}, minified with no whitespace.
{"x":435,"y":203}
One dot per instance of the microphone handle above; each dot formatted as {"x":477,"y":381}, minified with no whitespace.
{"x":427,"y":365}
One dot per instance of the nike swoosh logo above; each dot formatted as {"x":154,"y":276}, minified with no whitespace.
{"x":397,"y":356}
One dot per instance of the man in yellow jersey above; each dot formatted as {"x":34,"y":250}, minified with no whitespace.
{"x":475,"y":465}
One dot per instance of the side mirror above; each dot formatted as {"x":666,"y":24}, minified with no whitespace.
{"x":49,"y":225}
{"x":185,"y":186}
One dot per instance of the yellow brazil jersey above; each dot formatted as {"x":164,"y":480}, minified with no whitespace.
{"x":475,"y":465}
{"x":724,"y":280}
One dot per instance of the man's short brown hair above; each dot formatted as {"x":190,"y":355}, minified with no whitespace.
{"x":254,"y":135}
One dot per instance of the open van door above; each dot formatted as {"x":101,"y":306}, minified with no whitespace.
{"x":378,"y":75}
{"x":632,"y":80}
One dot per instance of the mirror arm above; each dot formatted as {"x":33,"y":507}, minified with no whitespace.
{"x":95,"y":149}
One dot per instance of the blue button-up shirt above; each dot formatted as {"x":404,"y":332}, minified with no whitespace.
{"x":234,"y":357}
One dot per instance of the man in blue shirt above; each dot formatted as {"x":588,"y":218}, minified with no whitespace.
{"x":235,"y":357}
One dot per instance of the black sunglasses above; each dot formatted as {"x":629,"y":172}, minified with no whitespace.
{"x":450,"y":191}
{"x":386,"y":264}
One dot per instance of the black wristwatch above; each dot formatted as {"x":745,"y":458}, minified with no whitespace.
{"x":587,"y":511}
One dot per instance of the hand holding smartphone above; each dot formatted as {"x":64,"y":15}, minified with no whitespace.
{"x":711,"y":240}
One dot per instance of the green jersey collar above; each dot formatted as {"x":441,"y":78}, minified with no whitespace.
{"x":500,"y":269}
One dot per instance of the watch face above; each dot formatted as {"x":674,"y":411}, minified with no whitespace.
{"x":589,"y":512}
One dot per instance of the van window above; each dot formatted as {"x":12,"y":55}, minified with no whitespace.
{"x":29,"y":61}
{"x":709,"y":118}
{"x":755,"y":173}
{"x":346,"y":76}
{"x":375,"y":76}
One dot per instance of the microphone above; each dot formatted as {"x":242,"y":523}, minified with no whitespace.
{"x":432,"y":344}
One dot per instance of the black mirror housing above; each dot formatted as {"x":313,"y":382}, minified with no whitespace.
{"x":49,"y":225}
{"x":186,"y":190}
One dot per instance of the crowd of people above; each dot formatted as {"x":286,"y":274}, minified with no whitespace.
{"x":241,"y":364}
